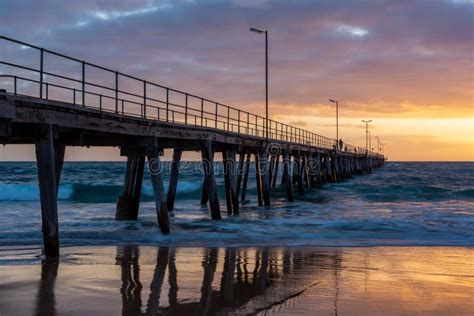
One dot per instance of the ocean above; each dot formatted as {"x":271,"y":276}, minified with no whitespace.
{"x":394,"y":242}
{"x":400,"y":204}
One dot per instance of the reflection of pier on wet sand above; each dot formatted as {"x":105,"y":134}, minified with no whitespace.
{"x":247,"y":278}
{"x":133,"y":280}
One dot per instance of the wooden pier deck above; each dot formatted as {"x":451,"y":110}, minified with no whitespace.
{"x":56,"y":110}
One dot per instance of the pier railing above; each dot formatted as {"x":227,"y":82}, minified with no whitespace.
{"x":108,"y":90}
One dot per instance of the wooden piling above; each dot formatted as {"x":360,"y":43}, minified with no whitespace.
{"x":299,"y":173}
{"x":265,"y":168}
{"x":275,"y":171}
{"x":228,"y":158}
{"x":210,"y":180}
{"x":177,"y":152}
{"x":307,"y":176}
{"x":128,"y":203}
{"x":318,"y":169}
{"x":258,"y":177}
{"x":59,"y":151}
{"x":45,"y":158}
{"x":285,"y":171}
{"x":329,"y":169}
{"x":288,"y":175}
{"x":246,"y":177}
{"x":240,"y":170}
{"x":155,"y":168}
{"x":204,"y":195}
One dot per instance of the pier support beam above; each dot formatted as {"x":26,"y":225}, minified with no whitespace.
{"x":288,"y":176}
{"x":275,"y":170}
{"x":246,"y":177}
{"x":335,"y":167}
{"x":47,"y":167}
{"x":204,"y":196}
{"x":129,"y":202}
{"x":155,"y":168}
{"x":328,"y":168}
{"x":307,"y":176}
{"x":299,"y":173}
{"x":318,"y":170}
{"x":210,"y":180}
{"x":240,"y":170}
{"x":232,"y":200}
{"x":265,"y":168}
{"x":258,"y":177}
{"x":177,"y":152}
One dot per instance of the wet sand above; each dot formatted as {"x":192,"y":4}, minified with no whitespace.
{"x":145,"y":280}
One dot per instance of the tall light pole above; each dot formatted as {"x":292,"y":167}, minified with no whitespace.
{"x":366,"y":134}
{"x":378,"y":144}
{"x":266,"y":79}
{"x":337,"y":118}
{"x":370,"y":142}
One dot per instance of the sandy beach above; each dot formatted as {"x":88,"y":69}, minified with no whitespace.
{"x":146,"y":280}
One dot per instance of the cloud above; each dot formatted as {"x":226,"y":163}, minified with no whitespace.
{"x":299,"y":123}
{"x":380,"y":58}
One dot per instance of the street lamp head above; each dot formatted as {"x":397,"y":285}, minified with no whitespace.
{"x":333,"y":101}
{"x":256,"y":30}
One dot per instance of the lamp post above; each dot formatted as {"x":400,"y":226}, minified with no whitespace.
{"x":266,"y":79}
{"x":337,"y":118}
{"x":370,"y":142}
{"x":366,"y":134}
{"x":378,"y":144}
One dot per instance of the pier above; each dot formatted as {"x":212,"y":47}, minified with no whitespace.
{"x":90,"y":105}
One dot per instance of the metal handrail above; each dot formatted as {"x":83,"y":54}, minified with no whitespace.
{"x":152,"y":108}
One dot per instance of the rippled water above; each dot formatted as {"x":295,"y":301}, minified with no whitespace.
{"x":399,"y":204}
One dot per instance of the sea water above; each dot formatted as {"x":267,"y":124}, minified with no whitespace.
{"x":402,"y":203}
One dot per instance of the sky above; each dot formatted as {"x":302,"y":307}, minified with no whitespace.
{"x":406,"y":65}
